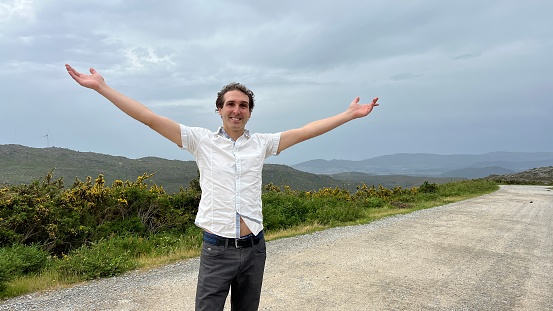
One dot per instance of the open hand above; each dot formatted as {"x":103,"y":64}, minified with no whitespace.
{"x":361,"y":110}
{"x":91,"y":81}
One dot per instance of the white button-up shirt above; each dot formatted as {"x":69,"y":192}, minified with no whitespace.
{"x":230,"y":177}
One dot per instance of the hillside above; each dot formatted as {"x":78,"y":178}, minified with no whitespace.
{"x":21,"y":165}
{"x":540,"y":175}
{"x":473,"y":172}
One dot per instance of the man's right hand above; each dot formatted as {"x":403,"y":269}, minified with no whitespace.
{"x":91,"y":81}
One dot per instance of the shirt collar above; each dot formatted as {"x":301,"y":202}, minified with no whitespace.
{"x":221,"y":131}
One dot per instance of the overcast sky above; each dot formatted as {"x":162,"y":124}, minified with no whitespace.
{"x":453,"y":77}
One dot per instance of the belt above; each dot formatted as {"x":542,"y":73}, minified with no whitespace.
{"x":247,"y":241}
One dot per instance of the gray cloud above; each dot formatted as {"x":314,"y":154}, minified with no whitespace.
{"x":453,"y":77}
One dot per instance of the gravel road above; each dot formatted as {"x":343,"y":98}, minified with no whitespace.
{"x":494,"y":252}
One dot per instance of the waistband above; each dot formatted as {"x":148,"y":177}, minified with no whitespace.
{"x":245,"y":241}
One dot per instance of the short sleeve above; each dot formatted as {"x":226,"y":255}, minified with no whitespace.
{"x":272,"y":145}
{"x":191,"y":137}
{"x":184,"y":137}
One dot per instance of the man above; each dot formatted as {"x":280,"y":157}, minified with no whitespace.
{"x":230,"y":163}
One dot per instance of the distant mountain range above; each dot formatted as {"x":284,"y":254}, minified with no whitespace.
{"x":434,"y":165}
{"x":22,"y":165}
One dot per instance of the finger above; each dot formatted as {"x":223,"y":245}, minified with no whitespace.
{"x":92,"y":71}
{"x":72,"y":72}
{"x":375,"y":102}
{"x":69,"y":68}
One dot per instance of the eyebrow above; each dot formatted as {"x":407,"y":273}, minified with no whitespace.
{"x":234,"y":101}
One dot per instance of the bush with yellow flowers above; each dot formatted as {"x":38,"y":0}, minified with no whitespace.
{"x":44,"y":213}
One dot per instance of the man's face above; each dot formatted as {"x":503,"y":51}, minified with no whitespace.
{"x":235,"y":112}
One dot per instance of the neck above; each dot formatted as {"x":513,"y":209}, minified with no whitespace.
{"x":234,"y":135}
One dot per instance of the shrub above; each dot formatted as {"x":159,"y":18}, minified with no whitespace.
{"x":165,"y":243}
{"x":283,"y":210}
{"x":330,"y":211}
{"x":4,"y":276}
{"x":102,"y":259}
{"x":20,"y":259}
{"x":63,"y":220}
{"x":427,"y":187}
{"x":466,"y":187}
{"x":374,"y":202}
{"x":131,"y":225}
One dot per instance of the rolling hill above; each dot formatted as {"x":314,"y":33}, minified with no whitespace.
{"x":433,"y":165}
{"x":22,"y":165}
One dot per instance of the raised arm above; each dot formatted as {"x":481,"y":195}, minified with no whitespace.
{"x":164,"y":126}
{"x":313,"y":129}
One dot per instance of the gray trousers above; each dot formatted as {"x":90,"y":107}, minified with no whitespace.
{"x":227,"y":267}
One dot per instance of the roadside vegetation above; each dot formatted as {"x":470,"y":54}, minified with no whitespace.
{"x":52,"y":236}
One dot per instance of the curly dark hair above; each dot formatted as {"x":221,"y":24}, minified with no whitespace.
{"x":231,"y":87}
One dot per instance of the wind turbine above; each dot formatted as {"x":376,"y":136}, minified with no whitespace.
{"x":47,"y":139}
